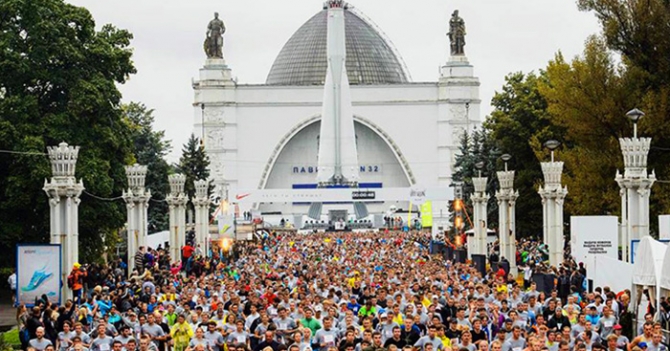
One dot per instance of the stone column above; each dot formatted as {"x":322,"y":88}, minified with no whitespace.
{"x":201,"y":203}
{"x":63,"y":191}
{"x":635,"y":186}
{"x":506,"y":217}
{"x":553,"y":195}
{"x":137,"y":203}
{"x":479,"y":201}
{"x":177,"y":200}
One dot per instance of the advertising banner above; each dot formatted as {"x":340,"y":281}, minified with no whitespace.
{"x":38,"y":273}
{"x":226,"y":225}
{"x":594,"y":236}
{"x":427,"y":214}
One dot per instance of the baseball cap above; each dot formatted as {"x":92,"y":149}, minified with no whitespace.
{"x":642,"y":345}
{"x":617,"y":327}
{"x":383,"y":315}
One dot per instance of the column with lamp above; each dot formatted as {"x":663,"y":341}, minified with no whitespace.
{"x":553,"y":195}
{"x":458,"y":213}
{"x":201,"y":202}
{"x":137,"y":205}
{"x":177,"y":201}
{"x":64,"y":191}
{"x":635,"y":186}
{"x":479,"y":202}
{"x":507,"y":214}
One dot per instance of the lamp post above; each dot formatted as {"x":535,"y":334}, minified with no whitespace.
{"x":64,"y":191}
{"x":507,"y":214}
{"x":137,"y":203}
{"x":553,"y":195}
{"x":177,"y":200}
{"x":479,"y":201}
{"x":635,"y":186}
{"x":201,"y":202}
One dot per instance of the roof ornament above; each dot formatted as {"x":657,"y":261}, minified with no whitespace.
{"x":334,"y":4}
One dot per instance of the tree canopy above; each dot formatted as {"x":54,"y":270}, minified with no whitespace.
{"x":150,"y":149}
{"x":58,"y":79}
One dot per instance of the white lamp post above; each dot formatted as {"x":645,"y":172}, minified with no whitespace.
{"x":553,"y":195}
{"x":635,"y":186}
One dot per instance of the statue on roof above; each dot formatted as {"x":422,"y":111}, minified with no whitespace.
{"x":457,"y":34}
{"x":214,"y":41}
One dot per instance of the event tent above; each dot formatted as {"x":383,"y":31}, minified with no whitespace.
{"x":665,"y":271}
{"x":648,"y":266}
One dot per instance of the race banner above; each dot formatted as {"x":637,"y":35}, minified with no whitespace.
{"x":38,"y":273}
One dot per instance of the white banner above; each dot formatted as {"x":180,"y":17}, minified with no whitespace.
{"x":38,"y":273}
{"x":415,"y":194}
{"x":594,"y":236}
{"x":226,"y":224}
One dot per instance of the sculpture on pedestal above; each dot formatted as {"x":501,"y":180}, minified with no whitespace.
{"x":457,"y":34}
{"x":177,"y":200}
{"x":214,"y":42}
{"x":137,"y":203}
{"x":635,"y":186}
{"x":63,"y":191}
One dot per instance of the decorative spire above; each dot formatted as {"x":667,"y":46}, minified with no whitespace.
{"x":335,"y":4}
{"x":63,"y":159}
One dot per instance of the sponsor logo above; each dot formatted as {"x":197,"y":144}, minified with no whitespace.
{"x":242,"y":196}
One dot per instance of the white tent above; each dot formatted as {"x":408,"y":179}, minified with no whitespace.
{"x":647,"y":267}
{"x":665,"y":272}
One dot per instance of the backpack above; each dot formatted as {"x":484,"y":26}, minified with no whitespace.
{"x":70,"y":280}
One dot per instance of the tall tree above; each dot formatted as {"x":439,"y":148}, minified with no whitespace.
{"x":588,"y":98}
{"x":194,"y":164}
{"x":520,"y":123}
{"x":58,"y":81}
{"x":475,"y":148}
{"x":150,"y":149}
{"x":638,"y":30}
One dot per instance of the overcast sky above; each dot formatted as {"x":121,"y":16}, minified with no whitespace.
{"x":503,"y":36}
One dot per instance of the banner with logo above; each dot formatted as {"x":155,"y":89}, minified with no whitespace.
{"x":226,"y":225}
{"x":38,"y":273}
{"x":427,"y":214}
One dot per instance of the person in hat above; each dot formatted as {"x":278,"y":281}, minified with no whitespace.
{"x":75,"y":281}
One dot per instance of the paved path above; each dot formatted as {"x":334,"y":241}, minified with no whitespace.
{"x":7,"y":315}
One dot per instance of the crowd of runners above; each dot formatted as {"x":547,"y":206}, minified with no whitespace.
{"x":332,"y":292}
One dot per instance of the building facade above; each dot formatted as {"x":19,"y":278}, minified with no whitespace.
{"x":266,"y":136}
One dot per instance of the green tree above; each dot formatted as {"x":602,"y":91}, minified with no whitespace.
{"x":588,"y":98}
{"x":520,"y":123}
{"x":58,"y":81}
{"x":472,"y":149}
{"x":150,"y":149}
{"x":194,"y":164}
{"x":638,"y":31}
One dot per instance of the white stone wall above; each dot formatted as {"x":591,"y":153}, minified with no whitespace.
{"x":245,"y":125}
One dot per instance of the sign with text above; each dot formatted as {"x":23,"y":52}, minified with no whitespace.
{"x":363,"y":195}
{"x":38,"y":272}
{"x":594,"y":236}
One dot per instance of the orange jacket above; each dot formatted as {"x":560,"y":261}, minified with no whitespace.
{"x":79,"y":276}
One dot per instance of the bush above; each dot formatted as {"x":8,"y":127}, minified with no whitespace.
{"x":10,"y":340}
